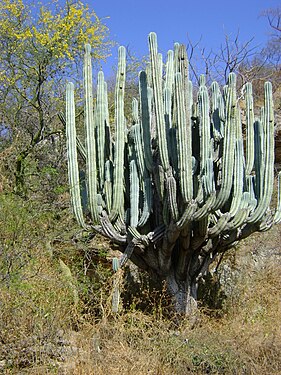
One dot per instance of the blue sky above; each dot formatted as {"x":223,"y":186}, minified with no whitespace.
{"x":130,"y":22}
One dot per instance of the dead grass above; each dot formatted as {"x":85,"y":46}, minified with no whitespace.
{"x":43,"y":331}
{"x":246,"y":340}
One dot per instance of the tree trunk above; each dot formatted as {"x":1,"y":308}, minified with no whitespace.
{"x":183,"y":294}
{"x":179,"y":264}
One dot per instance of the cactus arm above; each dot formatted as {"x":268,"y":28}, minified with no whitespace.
{"x":238,"y":178}
{"x":90,"y":136}
{"x":187,"y":93}
{"x":183,"y":68}
{"x":120,"y":136}
{"x":202,"y":80}
{"x":171,"y":187}
{"x":116,"y":292}
{"x":115,"y":264}
{"x":264,"y":202}
{"x":183,"y":143}
{"x":207,"y":194}
{"x":259,"y":157}
{"x":108,"y":185}
{"x":145,"y":122}
{"x":187,"y":216}
{"x":81,"y":149}
{"x":108,"y":140}
{"x":205,"y":135}
{"x":166,"y":216}
{"x":158,"y":100}
{"x":169,"y":82}
{"x":250,"y":183}
{"x":127,"y":254}
{"x":203,"y":211}
{"x":138,"y":148}
{"x":249,"y":129}
{"x":143,"y":172}
{"x":220,"y":225}
{"x":277,"y":216}
{"x":120,"y":225}
{"x":229,"y":143}
{"x":208,"y":178}
{"x":100,"y":120}
{"x":217,"y":123}
{"x":109,"y":230}
{"x":241,"y":214}
{"x":134,"y":194}
{"x":73,"y":173}
{"x":135,"y":111}
{"x":147,"y":198}
{"x":172,"y":194}
{"x":160,"y":64}
{"x":80,"y":146}
{"x":239,"y":219}
{"x":176,"y":57}
{"x":134,"y":233}
{"x":168,"y":91}
{"x":173,"y":147}
{"x":221,"y":114}
{"x":159,"y":180}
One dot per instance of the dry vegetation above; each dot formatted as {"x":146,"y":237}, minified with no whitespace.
{"x":45,"y":330}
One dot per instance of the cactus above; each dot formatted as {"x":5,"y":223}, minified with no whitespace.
{"x":175,"y":188}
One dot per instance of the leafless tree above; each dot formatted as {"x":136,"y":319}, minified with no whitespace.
{"x":217,"y":64}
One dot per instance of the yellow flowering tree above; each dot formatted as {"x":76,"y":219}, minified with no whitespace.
{"x":40,"y":45}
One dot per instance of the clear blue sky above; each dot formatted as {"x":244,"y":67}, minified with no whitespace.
{"x":130,"y":21}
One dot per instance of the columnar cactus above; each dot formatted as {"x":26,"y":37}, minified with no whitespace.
{"x":175,"y":187}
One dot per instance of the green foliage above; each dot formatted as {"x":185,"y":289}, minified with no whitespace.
{"x":18,"y":236}
{"x":41,"y":45}
{"x":37,"y":302}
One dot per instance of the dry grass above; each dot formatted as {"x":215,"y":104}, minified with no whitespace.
{"x":246,"y":340}
{"x":43,"y":331}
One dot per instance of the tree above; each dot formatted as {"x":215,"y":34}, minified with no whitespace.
{"x":273,"y":49}
{"x":272,"y":52}
{"x":41,"y":45}
{"x":174,"y":189}
{"x":218,"y":64}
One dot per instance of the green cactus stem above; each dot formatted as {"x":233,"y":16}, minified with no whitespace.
{"x":250,"y":128}
{"x":100,"y":128}
{"x":73,"y":171}
{"x":134,"y":194}
{"x":229,"y":143}
{"x":184,"y":142}
{"x":267,"y":183}
{"x":277,"y":216}
{"x":90,"y":136}
{"x":158,"y":102}
{"x":118,"y":179}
